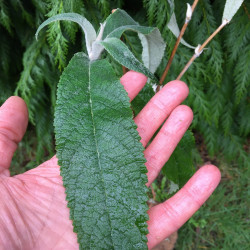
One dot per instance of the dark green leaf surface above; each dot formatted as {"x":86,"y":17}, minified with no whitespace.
{"x":101,"y":157}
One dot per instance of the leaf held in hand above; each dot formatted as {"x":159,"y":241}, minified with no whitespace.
{"x":101,"y":157}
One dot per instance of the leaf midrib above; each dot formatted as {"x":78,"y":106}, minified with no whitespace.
{"x":98,"y":154}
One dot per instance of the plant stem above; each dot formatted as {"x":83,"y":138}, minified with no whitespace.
{"x":175,"y":47}
{"x":173,"y":53}
{"x":200,"y":49}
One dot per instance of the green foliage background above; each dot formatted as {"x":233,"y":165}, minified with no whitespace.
{"x":218,"y":80}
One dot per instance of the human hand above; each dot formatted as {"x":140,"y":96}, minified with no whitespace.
{"x":33,"y":209}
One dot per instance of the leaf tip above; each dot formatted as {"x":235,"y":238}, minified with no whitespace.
{"x":36,"y":35}
{"x":188,"y":13}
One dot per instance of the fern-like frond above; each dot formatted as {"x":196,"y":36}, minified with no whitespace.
{"x":199,"y":100}
{"x":18,"y":5}
{"x":159,"y":12}
{"x":237,"y":35}
{"x":55,"y":37}
{"x":71,"y":28}
{"x":31,"y":76}
{"x":5,"y":19}
{"x":210,"y":134}
{"x":104,"y":7}
{"x":44,"y":128}
{"x":242,"y":74}
{"x":243,"y":117}
{"x":5,"y":53}
{"x":151,"y":7}
{"x":232,"y":147}
{"x":217,"y":101}
{"x":227,"y":117}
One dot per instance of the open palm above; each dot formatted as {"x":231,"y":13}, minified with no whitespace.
{"x":33,"y":209}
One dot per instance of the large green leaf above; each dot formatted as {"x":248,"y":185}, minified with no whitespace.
{"x":101,"y":157}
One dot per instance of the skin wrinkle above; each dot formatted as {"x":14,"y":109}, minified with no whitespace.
{"x":9,"y":133}
{"x":10,"y":207}
{"x":47,"y":208}
{"x":193,"y":197}
{"x":20,"y":198}
{"x":5,"y":142}
{"x":6,"y":238}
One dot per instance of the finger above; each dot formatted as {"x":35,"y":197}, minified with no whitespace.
{"x":133,"y":82}
{"x":13,"y":124}
{"x":158,"y":109}
{"x":167,"y":217}
{"x":163,"y":145}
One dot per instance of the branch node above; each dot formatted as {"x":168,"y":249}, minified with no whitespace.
{"x":225,"y":21}
{"x":197,"y":50}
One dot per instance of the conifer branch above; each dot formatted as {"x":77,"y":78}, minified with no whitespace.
{"x":245,"y":9}
{"x":200,"y":48}
{"x":188,"y":18}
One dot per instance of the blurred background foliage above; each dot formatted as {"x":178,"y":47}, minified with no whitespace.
{"x":219,"y":96}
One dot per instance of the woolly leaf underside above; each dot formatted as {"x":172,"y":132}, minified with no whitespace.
{"x":101,"y":157}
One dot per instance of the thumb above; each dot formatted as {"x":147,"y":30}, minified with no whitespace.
{"x":13,"y":124}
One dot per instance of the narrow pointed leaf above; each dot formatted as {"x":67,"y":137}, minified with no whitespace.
{"x":87,"y":27}
{"x":230,"y":9}
{"x":173,"y":26}
{"x":153,"y":47}
{"x":120,"y":52}
{"x":116,"y":20}
{"x":101,"y":157}
{"x":137,"y":28}
{"x":152,"y":42}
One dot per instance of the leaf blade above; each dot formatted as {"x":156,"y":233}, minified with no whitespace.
{"x":230,"y":9}
{"x":151,"y":39}
{"x":101,"y":158}
{"x":87,"y":27}
{"x":120,"y":52}
{"x":173,"y":26}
